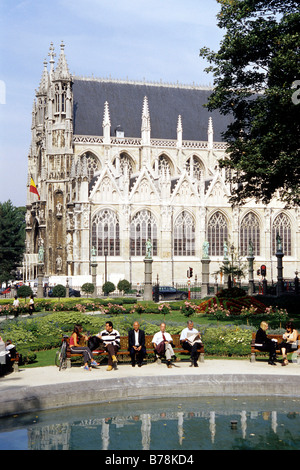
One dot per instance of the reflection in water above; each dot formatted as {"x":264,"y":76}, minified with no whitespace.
{"x":182,"y":424}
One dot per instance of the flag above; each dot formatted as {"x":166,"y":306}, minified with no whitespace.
{"x":33,"y":188}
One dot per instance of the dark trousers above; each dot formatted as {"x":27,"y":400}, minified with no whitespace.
{"x":269,"y":347}
{"x":139,"y":355}
{"x":84,"y":350}
{"x":192,"y":349}
{"x":112,"y":351}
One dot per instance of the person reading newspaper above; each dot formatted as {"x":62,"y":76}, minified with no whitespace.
{"x":190,"y":339}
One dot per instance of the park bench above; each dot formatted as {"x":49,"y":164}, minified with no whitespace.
{"x":123,"y":351}
{"x":254,"y":350}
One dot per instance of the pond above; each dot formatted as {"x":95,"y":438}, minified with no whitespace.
{"x":202,"y":423}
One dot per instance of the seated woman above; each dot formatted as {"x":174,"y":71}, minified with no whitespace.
{"x":289,"y":342}
{"x":76,"y":346}
{"x":263,"y":343}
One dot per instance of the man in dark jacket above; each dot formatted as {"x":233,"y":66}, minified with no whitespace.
{"x":263,"y":343}
{"x":136,"y":344}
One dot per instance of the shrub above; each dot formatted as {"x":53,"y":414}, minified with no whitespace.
{"x":59,"y":291}
{"x":24,"y":292}
{"x":164,"y":308}
{"x":88,"y":288}
{"x":124,"y":286}
{"x":188,"y":308}
{"x":108,"y":287}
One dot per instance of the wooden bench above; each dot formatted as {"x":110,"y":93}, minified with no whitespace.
{"x":123,"y":351}
{"x":254,"y":350}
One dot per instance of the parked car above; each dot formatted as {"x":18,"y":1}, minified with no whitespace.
{"x":74,"y":293}
{"x":5,"y":291}
{"x":166,"y":292}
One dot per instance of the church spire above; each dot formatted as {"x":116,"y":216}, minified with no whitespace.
{"x":106,"y":124}
{"x":62,"y":69}
{"x":51,"y":54}
{"x":44,"y":83}
{"x":210,"y":134}
{"x":146,"y":127}
{"x":179,"y":131}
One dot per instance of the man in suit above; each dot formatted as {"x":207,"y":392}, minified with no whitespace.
{"x":136,"y":344}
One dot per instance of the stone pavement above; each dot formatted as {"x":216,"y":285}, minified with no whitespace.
{"x":47,"y":387}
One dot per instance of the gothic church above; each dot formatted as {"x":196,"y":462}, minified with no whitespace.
{"x":118,"y":162}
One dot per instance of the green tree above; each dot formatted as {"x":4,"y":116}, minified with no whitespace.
{"x":24,"y":292}
{"x":59,"y":291}
{"x":88,"y":288}
{"x":256,"y":71}
{"x":12,"y":239}
{"x":124,"y":286}
{"x":108,"y":287}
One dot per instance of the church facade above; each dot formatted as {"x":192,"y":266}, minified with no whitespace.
{"x":117,"y":163}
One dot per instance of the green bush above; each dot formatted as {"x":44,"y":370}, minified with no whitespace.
{"x":59,"y":291}
{"x":24,"y":292}
{"x":88,"y":288}
{"x":124,"y":286}
{"x":108,"y":287}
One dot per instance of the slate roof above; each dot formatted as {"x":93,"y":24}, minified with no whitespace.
{"x":126,"y":102}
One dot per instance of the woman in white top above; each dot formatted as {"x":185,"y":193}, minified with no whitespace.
{"x":289,"y":343}
{"x":31,"y":305}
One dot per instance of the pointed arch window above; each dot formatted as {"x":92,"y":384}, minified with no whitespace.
{"x":197,"y":167}
{"x":250,"y":230}
{"x":217,"y":234}
{"x":143,"y":226}
{"x":282,"y":226}
{"x":184,"y":235}
{"x":106,"y":233}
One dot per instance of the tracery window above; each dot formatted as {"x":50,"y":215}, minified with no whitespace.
{"x":198,"y":168}
{"x":250,"y":231}
{"x":143,"y":226}
{"x":217,"y":234}
{"x":282,"y":226}
{"x":125,"y":164}
{"x":106,"y":233}
{"x":164,"y":165}
{"x":184,"y":235}
{"x":92,"y":165}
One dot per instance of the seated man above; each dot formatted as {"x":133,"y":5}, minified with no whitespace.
{"x":190,"y":339}
{"x":111,"y":340}
{"x":136,"y":344}
{"x":162,"y":342}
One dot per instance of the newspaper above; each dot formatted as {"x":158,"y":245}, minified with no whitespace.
{"x":193,"y":338}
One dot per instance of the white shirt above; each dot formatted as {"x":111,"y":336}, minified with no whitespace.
{"x":136,"y":336}
{"x":158,"y":337}
{"x":187,"y":332}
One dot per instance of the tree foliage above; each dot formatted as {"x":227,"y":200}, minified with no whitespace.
{"x":88,"y":288}
{"x":124,"y":286}
{"x":256,"y":71}
{"x":12,"y":239}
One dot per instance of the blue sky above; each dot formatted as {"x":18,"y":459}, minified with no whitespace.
{"x":135,"y":39}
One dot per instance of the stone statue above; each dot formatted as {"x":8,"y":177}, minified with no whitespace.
{"x":279,"y":242}
{"x":41,"y":254}
{"x":148,"y":248}
{"x":93,"y":253}
{"x":250,"y":248}
{"x":58,"y":263}
{"x":205,"y":249}
{"x":225,"y":248}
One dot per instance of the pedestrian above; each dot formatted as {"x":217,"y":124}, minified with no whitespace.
{"x":31,"y":305}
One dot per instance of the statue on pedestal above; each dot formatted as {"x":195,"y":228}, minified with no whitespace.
{"x":205,"y":249}
{"x":148,"y":249}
